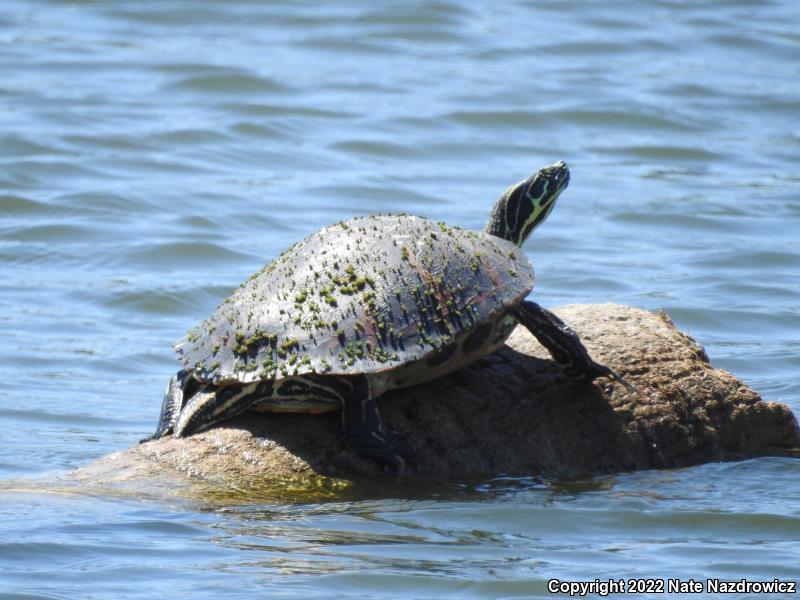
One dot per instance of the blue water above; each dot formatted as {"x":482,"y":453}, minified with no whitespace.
{"x":154,"y":154}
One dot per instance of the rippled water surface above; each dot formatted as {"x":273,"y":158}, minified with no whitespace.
{"x":154,"y":154}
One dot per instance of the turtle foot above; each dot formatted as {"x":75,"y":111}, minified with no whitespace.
{"x":389,"y":450}
{"x":365,"y":434}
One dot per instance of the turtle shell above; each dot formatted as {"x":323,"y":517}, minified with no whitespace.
{"x":361,"y":296}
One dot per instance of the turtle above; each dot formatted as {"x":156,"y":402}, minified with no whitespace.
{"x":365,"y":306}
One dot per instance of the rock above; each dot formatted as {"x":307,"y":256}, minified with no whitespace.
{"x":511,"y":413}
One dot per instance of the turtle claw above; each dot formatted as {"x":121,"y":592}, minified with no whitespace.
{"x":613,"y":375}
{"x":595,"y":370}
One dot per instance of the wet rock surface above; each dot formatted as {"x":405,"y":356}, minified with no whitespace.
{"x":512,"y":413}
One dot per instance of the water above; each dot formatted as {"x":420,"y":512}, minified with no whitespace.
{"x":154,"y":154}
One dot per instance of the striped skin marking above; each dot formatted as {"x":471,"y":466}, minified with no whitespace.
{"x":181,"y":387}
{"x":312,"y":393}
{"x":512,"y":212}
{"x":303,"y":393}
{"x":363,"y":429}
{"x":212,"y":404}
{"x":170,"y":407}
{"x":524,"y":206}
{"x":533,"y":205}
{"x":543,"y":204}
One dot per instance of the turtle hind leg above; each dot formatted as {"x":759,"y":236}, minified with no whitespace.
{"x":364,"y":432}
{"x":213,"y":404}
{"x":564,"y":344}
{"x":180,"y":387}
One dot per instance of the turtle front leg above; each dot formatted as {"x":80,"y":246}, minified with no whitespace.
{"x":563,"y":344}
{"x":365,"y":434}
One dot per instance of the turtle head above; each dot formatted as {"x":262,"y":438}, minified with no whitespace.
{"x":523,"y":206}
